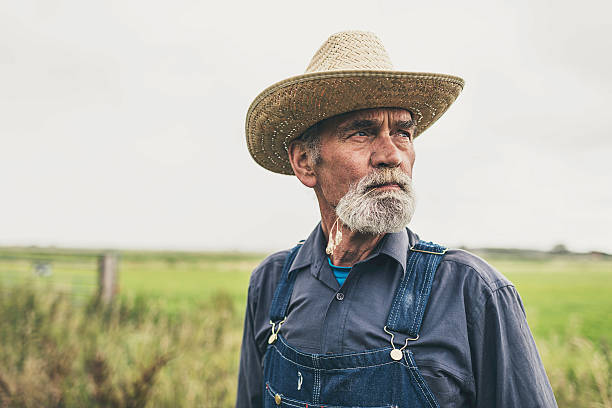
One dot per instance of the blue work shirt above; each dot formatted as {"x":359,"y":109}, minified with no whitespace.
{"x":475,"y":348}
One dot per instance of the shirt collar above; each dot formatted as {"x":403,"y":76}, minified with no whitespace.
{"x":312,"y":251}
{"x":394,"y":245}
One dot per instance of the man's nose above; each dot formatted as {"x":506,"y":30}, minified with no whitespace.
{"x":385,"y":153}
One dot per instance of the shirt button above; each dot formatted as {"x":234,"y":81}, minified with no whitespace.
{"x":340,"y":296}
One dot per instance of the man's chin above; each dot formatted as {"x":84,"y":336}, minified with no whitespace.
{"x":388,"y":192}
{"x":379,"y":211}
{"x":376,"y":224}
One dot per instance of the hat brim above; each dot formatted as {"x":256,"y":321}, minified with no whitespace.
{"x":286,"y":109}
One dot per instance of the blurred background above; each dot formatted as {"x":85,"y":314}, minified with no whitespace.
{"x":122,"y":128}
{"x":123,"y":122}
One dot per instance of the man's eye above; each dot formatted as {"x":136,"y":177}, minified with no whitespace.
{"x":405,"y":134}
{"x":360,"y":133}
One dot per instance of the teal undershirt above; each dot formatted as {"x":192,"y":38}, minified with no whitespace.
{"x":340,"y":272}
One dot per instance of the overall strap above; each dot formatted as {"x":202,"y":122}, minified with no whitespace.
{"x":282,"y":296}
{"x":413,"y":292}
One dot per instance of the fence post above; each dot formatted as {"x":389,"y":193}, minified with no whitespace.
{"x":108,"y":276}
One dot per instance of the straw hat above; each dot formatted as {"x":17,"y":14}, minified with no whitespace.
{"x":350,"y":71}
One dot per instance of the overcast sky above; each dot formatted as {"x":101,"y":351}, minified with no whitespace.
{"x":122,"y":122}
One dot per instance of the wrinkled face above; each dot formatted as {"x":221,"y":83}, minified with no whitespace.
{"x":357,"y":143}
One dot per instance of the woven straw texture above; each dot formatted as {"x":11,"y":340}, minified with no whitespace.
{"x":351,"y":71}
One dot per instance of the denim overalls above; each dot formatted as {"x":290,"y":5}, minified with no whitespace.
{"x":386,"y":377}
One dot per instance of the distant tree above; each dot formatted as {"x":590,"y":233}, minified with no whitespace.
{"x":559,"y":249}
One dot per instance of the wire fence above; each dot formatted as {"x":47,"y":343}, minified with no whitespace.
{"x":77,"y":274}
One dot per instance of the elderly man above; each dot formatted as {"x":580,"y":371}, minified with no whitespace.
{"x":364,"y":313}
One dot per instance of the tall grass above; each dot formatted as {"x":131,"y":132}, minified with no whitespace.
{"x":579,"y":370}
{"x":128,"y":354}
{"x":134,"y":353}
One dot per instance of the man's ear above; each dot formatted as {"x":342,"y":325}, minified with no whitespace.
{"x":302,"y":164}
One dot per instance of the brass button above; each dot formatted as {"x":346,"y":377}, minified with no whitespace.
{"x":277,"y":399}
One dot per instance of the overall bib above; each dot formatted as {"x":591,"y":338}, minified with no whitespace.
{"x":386,"y":377}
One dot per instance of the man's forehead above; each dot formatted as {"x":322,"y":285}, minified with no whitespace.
{"x":396,"y":114}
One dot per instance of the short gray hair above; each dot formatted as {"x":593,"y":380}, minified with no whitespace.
{"x":311,"y":140}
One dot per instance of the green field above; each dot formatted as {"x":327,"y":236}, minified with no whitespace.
{"x":172,"y":337}
{"x":563,"y":295}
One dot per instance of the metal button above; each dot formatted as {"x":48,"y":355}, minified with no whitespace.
{"x":396,"y":354}
{"x":277,"y":399}
{"x":340,"y":296}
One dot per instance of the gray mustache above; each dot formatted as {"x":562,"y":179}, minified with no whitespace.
{"x":384,"y":176}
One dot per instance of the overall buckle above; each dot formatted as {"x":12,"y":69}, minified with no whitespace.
{"x":397,"y":354}
{"x":274,"y":334}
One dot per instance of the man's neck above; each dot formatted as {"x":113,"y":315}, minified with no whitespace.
{"x":353,"y":247}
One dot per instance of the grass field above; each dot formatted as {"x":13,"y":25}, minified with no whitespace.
{"x":563,"y":295}
{"x":173,"y":336}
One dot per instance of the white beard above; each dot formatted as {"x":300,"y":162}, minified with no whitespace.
{"x":366,"y":210}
